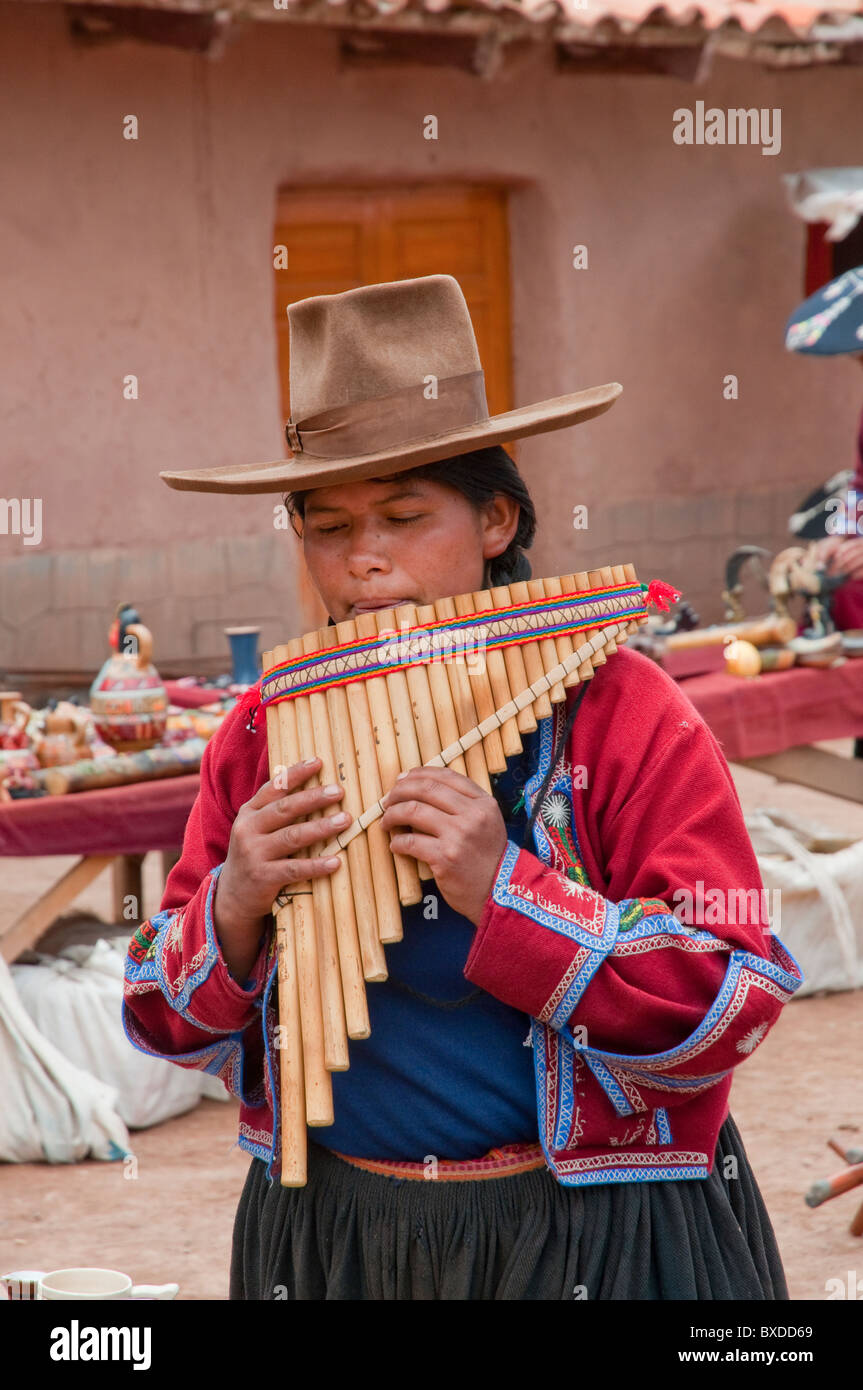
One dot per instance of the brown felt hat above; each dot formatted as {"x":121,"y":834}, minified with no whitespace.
{"x":385,"y":378}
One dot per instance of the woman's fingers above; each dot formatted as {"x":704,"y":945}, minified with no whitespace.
{"x":289,"y":871}
{"x":419,"y":815}
{"x":438,"y":786}
{"x":284,"y":779}
{"x":294,"y":839}
{"x":425,"y":848}
{"x":297,"y":806}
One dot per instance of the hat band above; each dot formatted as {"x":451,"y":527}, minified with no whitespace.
{"x":385,"y":422}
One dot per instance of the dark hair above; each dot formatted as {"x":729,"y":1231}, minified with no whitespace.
{"x":478,"y":476}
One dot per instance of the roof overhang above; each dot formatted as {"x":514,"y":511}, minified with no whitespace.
{"x":481,"y":36}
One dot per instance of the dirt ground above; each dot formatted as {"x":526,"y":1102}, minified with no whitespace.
{"x":173,"y":1223}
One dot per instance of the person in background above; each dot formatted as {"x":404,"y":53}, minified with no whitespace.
{"x":830,"y":323}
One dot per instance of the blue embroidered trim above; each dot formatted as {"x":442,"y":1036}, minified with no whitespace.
{"x":600,"y":943}
{"x":738,"y":961}
{"x":218,"y":1052}
{"x":565,"y":1093}
{"x":256,"y":1150}
{"x":277,"y":1119}
{"x":611,"y":1087}
{"x":660,"y":924}
{"x":562,"y":1119}
{"x":179,"y":1004}
{"x":537,"y":1042}
{"x":599,"y":947}
{"x":573,"y":993}
{"x":598,"y":1175}
{"x":230,"y":1048}
{"x":547,"y":729}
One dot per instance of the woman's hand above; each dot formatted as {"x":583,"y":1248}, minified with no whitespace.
{"x":455,"y":828}
{"x":267,"y":834}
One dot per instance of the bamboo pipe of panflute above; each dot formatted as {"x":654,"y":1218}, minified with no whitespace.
{"x":471,"y":738}
{"x":625,"y":574}
{"x":462,"y":697}
{"x":483,"y":696}
{"x":605,"y":578}
{"x":441,"y":695}
{"x":533,"y":663}
{"x":419,"y":690}
{"x":349,"y":956}
{"x":579,"y":583}
{"x":371,"y":950}
{"x":631,"y":578}
{"x":389,"y":912}
{"x":585,"y":671}
{"x":513,"y":657}
{"x":567,"y":584}
{"x":547,"y":648}
{"x":292,"y":1095}
{"x":402,"y":712}
{"x":553,"y":589}
{"x":318,"y":1086}
{"x":332,"y":999}
{"x":595,"y":581}
{"x":389,"y":763}
{"x":499,"y":681}
{"x":621,"y":577}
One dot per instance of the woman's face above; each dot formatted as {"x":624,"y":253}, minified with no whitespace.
{"x":386,"y":541}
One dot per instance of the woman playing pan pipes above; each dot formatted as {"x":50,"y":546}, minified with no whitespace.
{"x":541,"y":1108}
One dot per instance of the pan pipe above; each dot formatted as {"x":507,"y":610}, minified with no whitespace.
{"x":449,"y":684}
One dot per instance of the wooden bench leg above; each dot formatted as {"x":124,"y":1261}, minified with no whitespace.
{"x":25,"y":931}
{"x":128,"y":889}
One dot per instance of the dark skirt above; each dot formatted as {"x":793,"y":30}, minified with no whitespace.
{"x":350,"y":1234}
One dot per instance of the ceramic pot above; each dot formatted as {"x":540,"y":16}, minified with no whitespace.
{"x":128,"y":699}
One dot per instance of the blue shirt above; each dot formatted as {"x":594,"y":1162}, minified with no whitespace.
{"x":446,"y":1070}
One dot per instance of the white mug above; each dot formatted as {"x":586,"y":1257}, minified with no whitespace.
{"x":77,"y":1284}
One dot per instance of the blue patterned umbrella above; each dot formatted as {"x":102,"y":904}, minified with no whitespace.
{"x":830,"y":321}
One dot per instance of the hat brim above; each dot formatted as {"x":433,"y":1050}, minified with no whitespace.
{"x":297,"y":472}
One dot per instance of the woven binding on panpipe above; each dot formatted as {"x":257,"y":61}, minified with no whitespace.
{"x":450,"y":684}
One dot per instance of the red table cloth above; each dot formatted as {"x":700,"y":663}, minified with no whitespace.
{"x":192,"y":696}
{"x":110,"y":820}
{"x":779,"y":710}
{"x":750,"y":718}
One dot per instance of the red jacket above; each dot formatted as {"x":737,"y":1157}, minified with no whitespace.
{"x":638,"y":1016}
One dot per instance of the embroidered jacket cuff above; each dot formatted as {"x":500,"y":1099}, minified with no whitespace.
{"x":540,"y":939}
{"x":187,"y":963}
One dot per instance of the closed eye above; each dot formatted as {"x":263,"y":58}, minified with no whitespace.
{"x":396,"y":521}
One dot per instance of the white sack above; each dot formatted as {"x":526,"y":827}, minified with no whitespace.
{"x":821,"y":903}
{"x":50,"y":1110}
{"x":75,"y":999}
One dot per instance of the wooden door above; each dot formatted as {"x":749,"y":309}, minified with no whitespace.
{"x":342,"y":238}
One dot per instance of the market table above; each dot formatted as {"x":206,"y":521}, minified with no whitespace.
{"x":769,"y":722}
{"x":111,"y":825}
